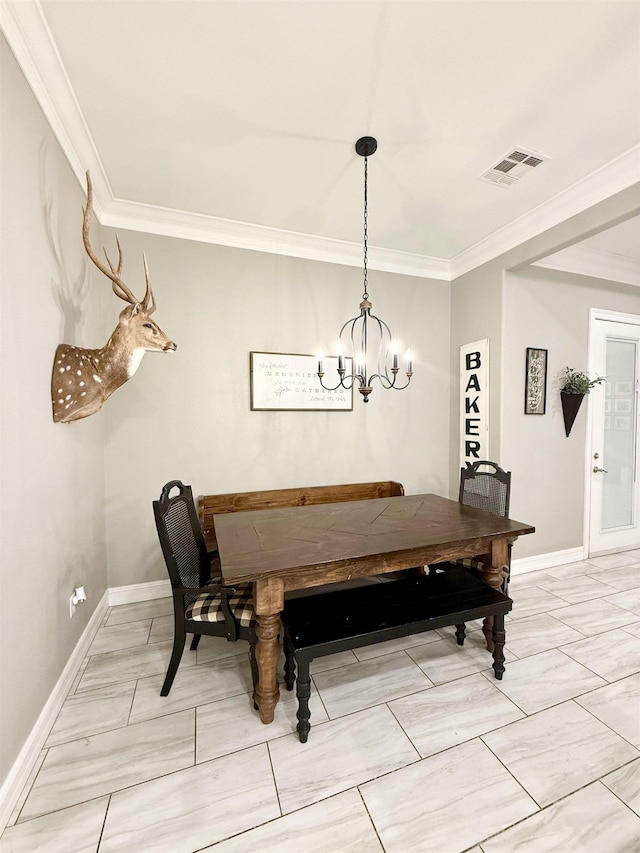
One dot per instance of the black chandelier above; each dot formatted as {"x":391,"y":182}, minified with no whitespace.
{"x":370,"y":360}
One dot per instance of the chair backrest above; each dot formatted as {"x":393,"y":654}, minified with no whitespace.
{"x":181,"y":539}
{"x":486,"y":489}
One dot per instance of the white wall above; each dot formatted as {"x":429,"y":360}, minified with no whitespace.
{"x":186,"y":415}
{"x":52,"y":511}
{"x":548,"y":309}
{"x":476,"y":314}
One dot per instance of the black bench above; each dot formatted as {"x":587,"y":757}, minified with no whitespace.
{"x":349,"y":619}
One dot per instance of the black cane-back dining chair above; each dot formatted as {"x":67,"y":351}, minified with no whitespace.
{"x":201,"y":603}
{"x":486,"y":489}
{"x":483,"y":485}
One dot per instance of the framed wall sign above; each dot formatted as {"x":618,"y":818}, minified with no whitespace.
{"x":535,"y":385}
{"x":474,"y":402}
{"x":282,"y":381}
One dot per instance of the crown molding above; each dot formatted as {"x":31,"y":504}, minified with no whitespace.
{"x":28,"y":34}
{"x":595,"y":263}
{"x":617,"y":175}
{"x":168,"y":222}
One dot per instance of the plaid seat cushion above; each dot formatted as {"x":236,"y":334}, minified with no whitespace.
{"x":208,"y":608}
{"x":470,"y":563}
{"x":467,"y":562}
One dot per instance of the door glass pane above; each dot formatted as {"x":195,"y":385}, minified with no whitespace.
{"x":620,"y":417}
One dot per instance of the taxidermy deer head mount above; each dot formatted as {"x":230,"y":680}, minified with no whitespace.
{"x":82,"y":379}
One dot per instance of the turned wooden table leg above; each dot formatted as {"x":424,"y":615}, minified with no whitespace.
{"x":268,"y":602}
{"x":492,"y":575}
{"x":267,"y":650}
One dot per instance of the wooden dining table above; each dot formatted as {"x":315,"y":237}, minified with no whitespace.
{"x":292,"y":548}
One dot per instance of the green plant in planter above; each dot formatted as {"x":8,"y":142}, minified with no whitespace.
{"x":576,"y":382}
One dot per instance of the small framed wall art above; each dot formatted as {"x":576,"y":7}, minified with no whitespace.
{"x":535,"y":385}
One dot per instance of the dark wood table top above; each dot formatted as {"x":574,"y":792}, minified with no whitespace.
{"x":316,"y":544}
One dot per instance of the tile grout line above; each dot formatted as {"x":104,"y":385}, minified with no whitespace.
{"x":369,"y":815}
{"x":104,"y":823}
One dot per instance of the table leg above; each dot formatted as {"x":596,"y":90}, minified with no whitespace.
{"x":493,"y":576}
{"x":268,"y":602}
{"x":267,"y":650}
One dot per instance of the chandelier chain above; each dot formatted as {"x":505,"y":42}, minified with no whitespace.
{"x":365,"y":295}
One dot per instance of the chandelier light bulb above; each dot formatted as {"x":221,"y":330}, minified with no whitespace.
{"x":394,"y":353}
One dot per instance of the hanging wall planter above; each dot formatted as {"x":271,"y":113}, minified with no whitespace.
{"x":574,"y":386}
{"x":570,"y":405}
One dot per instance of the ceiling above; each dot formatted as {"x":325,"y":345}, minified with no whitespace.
{"x":234,"y":121}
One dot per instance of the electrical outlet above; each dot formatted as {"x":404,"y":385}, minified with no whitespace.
{"x":79,"y":596}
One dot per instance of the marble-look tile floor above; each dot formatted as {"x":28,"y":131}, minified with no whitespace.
{"x":414,"y":745}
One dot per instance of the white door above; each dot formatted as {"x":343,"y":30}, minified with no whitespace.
{"x":614,"y":467}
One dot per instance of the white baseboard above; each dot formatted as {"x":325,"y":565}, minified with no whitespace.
{"x":139,"y":592}
{"x":546,"y":561}
{"x":19,"y":773}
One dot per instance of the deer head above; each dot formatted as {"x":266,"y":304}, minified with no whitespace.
{"x":82,"y":379}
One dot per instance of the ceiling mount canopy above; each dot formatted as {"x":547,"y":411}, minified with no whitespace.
{"x":366,"y":146}
{"x":373,"y":349}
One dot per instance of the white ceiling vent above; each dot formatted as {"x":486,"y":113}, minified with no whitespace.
{"x":513,"y":166}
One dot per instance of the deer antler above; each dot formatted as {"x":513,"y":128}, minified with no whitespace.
{"x":149,"y":302}
{"x":113,"y":273}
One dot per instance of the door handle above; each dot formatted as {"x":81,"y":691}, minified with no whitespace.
{"x":597,"y":470}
